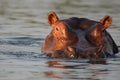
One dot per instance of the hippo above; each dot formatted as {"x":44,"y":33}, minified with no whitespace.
{"x":79,"y":38}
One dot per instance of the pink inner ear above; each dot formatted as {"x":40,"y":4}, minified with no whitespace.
{"x":52,"y":18}
{"x":106,"y":21}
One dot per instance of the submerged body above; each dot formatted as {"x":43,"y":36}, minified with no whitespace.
{"x":79,"y":38}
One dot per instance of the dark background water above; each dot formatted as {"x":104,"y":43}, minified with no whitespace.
{"x":23,"y":27}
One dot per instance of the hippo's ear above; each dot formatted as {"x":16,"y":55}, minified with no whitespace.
{"x":52,"y":18}
{"x":106,"y":21}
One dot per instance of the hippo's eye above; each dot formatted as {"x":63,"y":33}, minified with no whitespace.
{"x":56,"y":29}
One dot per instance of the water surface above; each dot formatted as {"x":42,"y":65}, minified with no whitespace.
{"x":23,"y":28}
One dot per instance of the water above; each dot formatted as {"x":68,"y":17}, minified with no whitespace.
{"x":23,"y":27}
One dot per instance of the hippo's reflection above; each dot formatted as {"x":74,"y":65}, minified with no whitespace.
{"x":58,"y":64}
{"x":71,"y":70}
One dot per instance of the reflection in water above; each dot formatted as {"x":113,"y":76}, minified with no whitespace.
{"x":53,"y":74}
{"x":74,"y":70}
{"x":58,"y":64}
{"x":98,"y":61}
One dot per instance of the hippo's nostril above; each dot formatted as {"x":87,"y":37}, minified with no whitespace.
{"x":70,"y":49}
{"x":70,"y":52}
{"x":56,"y":29}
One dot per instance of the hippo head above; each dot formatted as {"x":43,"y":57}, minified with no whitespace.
{"x":78,"y":38}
